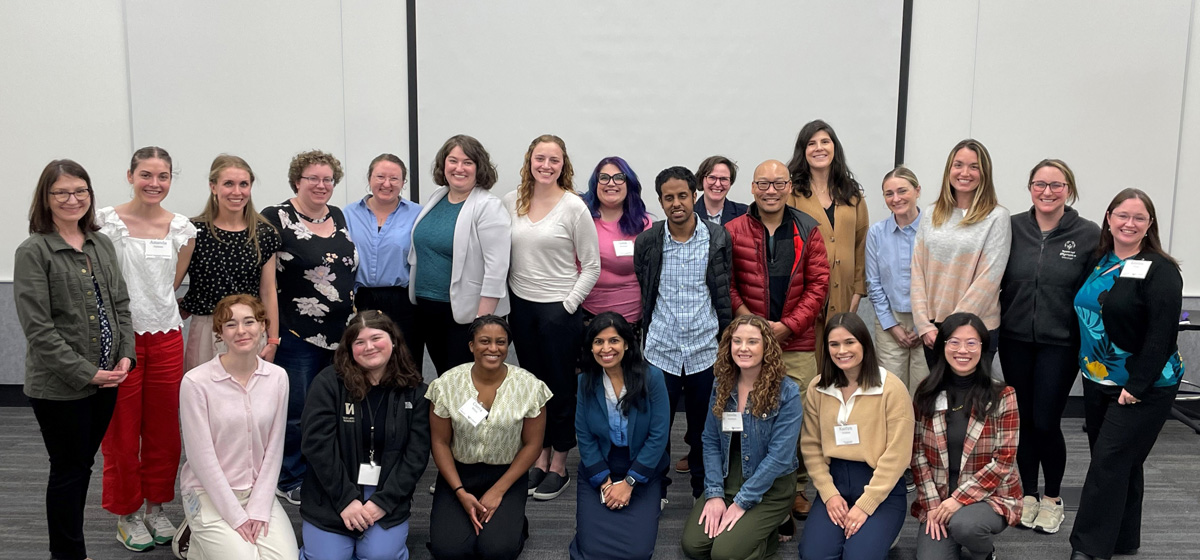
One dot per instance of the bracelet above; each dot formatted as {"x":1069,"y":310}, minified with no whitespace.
{"x":606,"y":486}
{"x":274,"y":341}
{"x":460,"y":487}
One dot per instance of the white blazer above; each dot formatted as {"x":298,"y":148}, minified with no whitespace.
{"x":482,"y":245}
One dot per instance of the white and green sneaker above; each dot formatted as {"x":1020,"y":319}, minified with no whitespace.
{"x":161,"y":528}
{"x":132,"y":533}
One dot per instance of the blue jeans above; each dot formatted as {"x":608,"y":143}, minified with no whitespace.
{"x":376,"y":543}
{"x":823,"y":540}
{"x":303,"y":362}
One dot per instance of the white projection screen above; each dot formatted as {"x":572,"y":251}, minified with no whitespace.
{"x":659,"y":83}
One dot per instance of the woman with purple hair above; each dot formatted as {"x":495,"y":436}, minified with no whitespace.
{"x":614,"y":197}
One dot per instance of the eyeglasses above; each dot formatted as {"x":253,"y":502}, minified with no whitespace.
{"x":715,"y":180}
{"x":328,"y":181}
{"x":381,"y":179}
{"x":971,"y":344}
{"x":764,"y":186}
{"x":1138,"y":219}
{"x":605,"y":178}
{"x":1055,"y":187}
{"x":81,"y":195}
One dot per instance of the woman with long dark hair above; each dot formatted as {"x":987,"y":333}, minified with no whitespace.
{"x":366,"y":436}
{"x":622,"y":423}
{"x":1128,"y":310}
{"x":964,"y":500}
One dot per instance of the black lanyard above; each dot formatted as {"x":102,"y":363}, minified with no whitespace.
{"x":371,"y":418}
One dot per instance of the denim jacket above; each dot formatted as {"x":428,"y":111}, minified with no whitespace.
{"x":768,"y":446}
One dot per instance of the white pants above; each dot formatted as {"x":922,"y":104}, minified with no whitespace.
{"x":214,"y":539}
{"x":907,"y":363}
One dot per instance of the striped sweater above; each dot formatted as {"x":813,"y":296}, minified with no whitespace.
{"x":958,"y":268}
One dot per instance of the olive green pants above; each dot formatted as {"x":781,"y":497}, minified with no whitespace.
{"x":755,"y":536}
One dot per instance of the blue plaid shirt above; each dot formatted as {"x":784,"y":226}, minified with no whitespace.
{"x":682,"y":337}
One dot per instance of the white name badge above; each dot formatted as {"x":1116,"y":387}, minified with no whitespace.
{"x":191,"y":504}
{"x":846,"y":434}
{"x":473,"y":411}
{"x":731,"y":421}
{"x":158,"y":249}
{"x":623,"y":248}
{"x":1135,"y":269}
{"x":368,"y":474}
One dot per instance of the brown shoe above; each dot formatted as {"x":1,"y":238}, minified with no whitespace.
{"x":682,"y":466}
{"x":801,"y":506}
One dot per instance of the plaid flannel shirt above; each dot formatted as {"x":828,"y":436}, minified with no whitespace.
{"x":988,"y":470}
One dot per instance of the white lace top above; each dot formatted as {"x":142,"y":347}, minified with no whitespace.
{"x":148,"y":266}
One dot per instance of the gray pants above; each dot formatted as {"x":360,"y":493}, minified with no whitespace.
{"x":973,"y":527}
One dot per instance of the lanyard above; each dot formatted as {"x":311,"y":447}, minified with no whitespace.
{"x":371,"y":418}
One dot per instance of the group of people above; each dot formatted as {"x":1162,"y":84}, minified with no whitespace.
{"x":300,"y":374}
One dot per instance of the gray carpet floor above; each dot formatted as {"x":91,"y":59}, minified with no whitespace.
{"x":1171,"y":526}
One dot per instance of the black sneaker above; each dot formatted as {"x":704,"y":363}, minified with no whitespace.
{"x":536,"y":476}
{"x":553,"y":486}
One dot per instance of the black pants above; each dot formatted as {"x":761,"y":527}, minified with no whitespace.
{"x":446,"y":339}
{"x":454,"y":538}
{"x":1042,"y":375}
{"x":394,"y":302}
{"x":695,"y":388}
{"x":1121,"y":437}
{"x":72,"y":431}
{"x":548,"y":340}
{"x":931,"y":358}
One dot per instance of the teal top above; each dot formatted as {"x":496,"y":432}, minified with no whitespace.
{"x":433,"y":239}
{"x":1101,"y":360}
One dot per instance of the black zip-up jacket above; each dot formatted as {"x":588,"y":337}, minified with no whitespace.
{"x":332,"y":444}
{"x":647,"y":266}
{"x":1037,"y":293}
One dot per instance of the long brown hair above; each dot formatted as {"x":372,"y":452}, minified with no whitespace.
{"x":212,"y":208}
{"x":984,"y":199}
{"x":1150,"y":243}
{"x":41,"y":217}
{"x":765,"y":395}
{"x":566,"y":179}
{"x":400,"y":371}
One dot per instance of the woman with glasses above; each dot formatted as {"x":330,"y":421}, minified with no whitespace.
{"x":555,"y":263}
{"x":961,"y":249}
{"x":1128,"y":310}
{"x":614,"y":198}
{"x":965,"y":448}
{"x":381,"y":226}
{"x":141,"y":450}
{"x":314,"y":279}
{"x":1039,"y":336}
{"x":74,"y":309}
{"x":717,"y":175}
{"x":460,"y":253}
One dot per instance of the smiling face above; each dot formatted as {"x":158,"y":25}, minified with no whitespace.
{"x":746,"y":346}
{"x":900,"y":196}
{"x":819,"y":151}
{"x":717,"y":183}
{"x":242,"y":330}
{"x":965,"y":173}
{"x":608,"y":348}
{"x":151,"y":180}
{"x":372,"y":349}
{"x":678,"y":201}
{"x":770,"y":201}
{"x":546,"y":164}
{"x":610,"y":194}
{"x":963,"y":349}
{"x":490,"y":346}
{"x":460,"y":171}
{"x":1129,"y":221}
{"x":386,"y":182}
{"x":232,"y":190}
{"x":316,"y":185}
{"x":67,"y":214}
{"x":1046,"y":201}
{"x":845,"y":350}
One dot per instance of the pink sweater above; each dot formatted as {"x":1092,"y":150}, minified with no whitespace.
{"x":233,"y":437}
{"x":617,"y":289}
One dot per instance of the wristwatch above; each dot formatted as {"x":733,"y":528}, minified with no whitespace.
{"x":630,"y":481}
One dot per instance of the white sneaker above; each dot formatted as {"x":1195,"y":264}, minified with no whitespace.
{"x":1029,"y":511}
{"x":161,"y":528}
{"x":1050,"y":516}
{"x":182,"y":541}
{"x":133,"y":534}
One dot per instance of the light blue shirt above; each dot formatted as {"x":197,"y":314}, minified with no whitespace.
{"x":683,"y":328}
{"x":382,"y":252}
{"x":618,"y":423}
{"x":889,"y":268}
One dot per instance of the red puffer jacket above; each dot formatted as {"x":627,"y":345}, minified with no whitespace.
{"x":806,"y":292}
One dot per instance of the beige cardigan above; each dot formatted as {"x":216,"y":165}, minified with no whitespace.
{"x":847,"y":258}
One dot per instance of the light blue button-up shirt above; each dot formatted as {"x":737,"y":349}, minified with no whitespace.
{"x":889,"y":268}
{"x":683,"y":329}
{"x":382,"y":252}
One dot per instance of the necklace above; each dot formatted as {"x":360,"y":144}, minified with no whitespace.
{"x":320,"y":220}
{"x":958,"y":408}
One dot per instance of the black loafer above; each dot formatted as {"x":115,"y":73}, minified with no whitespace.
{"x":536,"y":476}
{"x":552,"y":487}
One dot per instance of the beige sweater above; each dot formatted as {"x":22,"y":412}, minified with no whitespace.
{"x":884,"y":416}
{"x":958,"y":268}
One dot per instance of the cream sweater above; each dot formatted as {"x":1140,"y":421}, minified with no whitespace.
{"x":958,"y":268}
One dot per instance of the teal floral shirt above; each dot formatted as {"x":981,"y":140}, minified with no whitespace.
{"x":1100,"y":359}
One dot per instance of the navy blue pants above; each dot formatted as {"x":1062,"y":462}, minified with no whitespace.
{"x":303,"y":362}
{"x":823,"y":540}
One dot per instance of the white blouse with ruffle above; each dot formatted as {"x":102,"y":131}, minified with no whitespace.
{"x":149,"y":279}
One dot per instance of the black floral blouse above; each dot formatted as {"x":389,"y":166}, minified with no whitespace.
{"x":314,"y":276}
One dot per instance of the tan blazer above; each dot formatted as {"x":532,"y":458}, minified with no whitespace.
{"x":846,"y":246}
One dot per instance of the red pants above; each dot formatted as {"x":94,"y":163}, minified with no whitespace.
{"x":141,"y":448}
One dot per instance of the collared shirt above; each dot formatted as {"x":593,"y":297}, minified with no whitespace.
{"x":618,"y":423}
{"x":382,"y":252}
{"x":683,"y":330}
{"x":889,"y":268}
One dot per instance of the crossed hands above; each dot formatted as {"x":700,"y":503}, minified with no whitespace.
{"x":482,"y":509}
{"x":716,"y":518}
{"x":106,"y":378}
{"x":938,"y":517}
{"x":359,"y":516}
{"x":850,"y":519}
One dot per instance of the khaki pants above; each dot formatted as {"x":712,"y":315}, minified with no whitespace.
{"x":213,"y":538}
{"x":200,"y":345}
{"x":802,"y":367}
{"x":907,"y":363}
